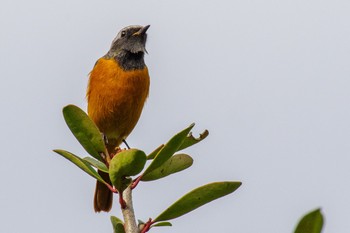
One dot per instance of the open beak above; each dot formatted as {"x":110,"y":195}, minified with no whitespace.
{"x":142,"y":31}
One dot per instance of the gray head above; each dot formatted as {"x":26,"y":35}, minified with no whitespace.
{"x":129,"y":46}
{"x":130,"y":41}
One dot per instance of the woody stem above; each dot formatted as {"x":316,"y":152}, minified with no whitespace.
{"x":130,"y":224}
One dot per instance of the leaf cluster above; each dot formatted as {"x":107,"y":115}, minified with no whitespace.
{"x":164,"y":161}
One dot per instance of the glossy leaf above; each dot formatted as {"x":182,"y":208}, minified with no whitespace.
{"x":190,"y":140}
{"x":124,"y":164}
{"x":97,"y":164}
{"x":196,"y":198}
{"x":155,"y":152}
{"x":175,"y":164}
{"x":118,"y":225}
{"x":162,"y":224}
{"x":85,"y":130}
{"x":85,"y":166}
{"x":168,"y":150}
{"x":310,"y":223}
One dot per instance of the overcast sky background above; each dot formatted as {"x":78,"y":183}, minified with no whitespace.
{"x":268,"y":79}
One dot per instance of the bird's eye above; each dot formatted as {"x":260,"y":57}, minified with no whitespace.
{"x":123,"y":33}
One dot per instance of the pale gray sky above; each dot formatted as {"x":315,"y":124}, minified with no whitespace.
{"x":268,"y":79}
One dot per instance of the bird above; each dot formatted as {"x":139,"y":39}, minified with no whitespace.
{"x":117,"y":89}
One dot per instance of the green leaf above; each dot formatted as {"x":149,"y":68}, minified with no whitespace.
{"x":168,"y":150}
{"x":190,"y":140}
{"x":175,"y":164}
{"x":97,"y":164}
{"x":196,"y":198}
{"x":118,"y":225}
{"x":310,"y":223}
{"x":155,"y":152}
{"x":124,"y":164}
{"x":85,"y":130}
{"x":162,"y":224}
{"x":81,"y":164}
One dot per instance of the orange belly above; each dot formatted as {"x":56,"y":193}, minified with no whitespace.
{"x":116,"y":98}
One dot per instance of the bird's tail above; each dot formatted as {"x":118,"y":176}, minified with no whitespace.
{"x":103,"y":198}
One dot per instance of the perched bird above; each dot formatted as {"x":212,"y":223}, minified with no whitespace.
{"x":117,"y":90}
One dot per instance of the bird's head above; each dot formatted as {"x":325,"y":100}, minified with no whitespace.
{"x":131,"y":39}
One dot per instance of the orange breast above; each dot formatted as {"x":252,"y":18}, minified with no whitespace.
{"x":116,"y":98}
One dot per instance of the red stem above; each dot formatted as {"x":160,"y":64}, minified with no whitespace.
{"x":113,"y":190}
{"x":121,"y":201}
{"x":136,"y":182}
{"x":147,"y":226}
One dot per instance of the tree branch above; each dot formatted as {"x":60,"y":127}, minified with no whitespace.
{"x":130,"y":224}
